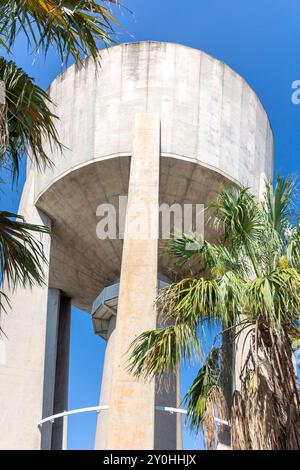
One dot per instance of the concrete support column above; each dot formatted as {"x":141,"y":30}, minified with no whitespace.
{"x":53,"y":306}
{"x":62,"y":373}
{"x":22,"y":348}
{"x":102,"y":422}
{"x":165,"y":431}
{"x":56,"y":370}
{"x":131,"y":413}
{"x":168,"y":427}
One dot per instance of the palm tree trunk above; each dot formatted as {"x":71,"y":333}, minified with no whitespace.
{"x":266,"y":410}
{"x":224,"y":436}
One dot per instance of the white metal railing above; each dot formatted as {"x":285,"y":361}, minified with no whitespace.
{"x":171,"y":410}
{"x":52,"y":418}
{"x":64,"y":415}
{"x":100,"y":408}
{"x":72,"y":412}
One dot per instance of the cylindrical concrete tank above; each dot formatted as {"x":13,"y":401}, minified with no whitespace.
{"x":214,"y":130}
{"x":163,"y":123}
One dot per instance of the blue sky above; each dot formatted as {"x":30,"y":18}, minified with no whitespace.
{"x":260,"y":39}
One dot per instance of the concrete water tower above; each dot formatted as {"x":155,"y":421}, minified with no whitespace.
{"x":161,"y":123}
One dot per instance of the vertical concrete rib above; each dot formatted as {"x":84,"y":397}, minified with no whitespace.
{"x":131,"y":412}
{"x":62,"y":372}
{"x":56,"y":370}
{"x":53,"y":307}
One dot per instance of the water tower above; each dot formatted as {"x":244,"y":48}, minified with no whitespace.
{"x":162,"y":124}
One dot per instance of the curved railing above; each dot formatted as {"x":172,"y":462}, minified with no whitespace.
{"x":98,"y":409}
{"x":72,"y":412}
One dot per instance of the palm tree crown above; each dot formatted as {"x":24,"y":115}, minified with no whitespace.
{"x":251,"y":284}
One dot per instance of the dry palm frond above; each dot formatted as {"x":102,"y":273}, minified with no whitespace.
{"x":266,"y":412}
{"x":215,"y":408}
{"x":206,"y":404}
{"x":240,"y":438}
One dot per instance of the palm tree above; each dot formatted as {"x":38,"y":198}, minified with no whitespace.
{"x":250,"y":283}
{"x":21,"y":254}
{"x":26,"y":119}
{"x":74,"y":28}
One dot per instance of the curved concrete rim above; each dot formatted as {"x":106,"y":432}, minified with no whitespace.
{"x":128,"y":43}
{"x":127,"y":155}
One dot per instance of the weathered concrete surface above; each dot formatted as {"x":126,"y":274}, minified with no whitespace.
{"x":81,"y":264}
{"x":106,"y":382}
{"x":214,"y":130}
{"x":22,"y":350}
{"x":131,"y":403}
{"x":168,"y":427}
{"x":208,"y":112}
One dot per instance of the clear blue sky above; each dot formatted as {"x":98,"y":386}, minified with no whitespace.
{"x":260,"y":39}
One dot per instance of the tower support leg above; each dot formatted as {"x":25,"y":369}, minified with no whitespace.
{"x":130,"y":422}
{"x":56,"y":371}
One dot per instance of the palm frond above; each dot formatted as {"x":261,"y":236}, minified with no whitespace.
{"x":157,"y":352}
{"x":196,"y":398}
{"x":189,"y":301}
{"x":293,"y":247}
{"x":186,"y":246}
{"x":21,"y":254}
{"x":205,"y":400}
{"x":4,"y":303}
{"x":236,"y":213}
{"x":277,"y":204}
{"x":73,"y":27}
{"x":231,"y":289}
{"x":197,"y":300}
{"x":208,"y":255}
{"x":28,"y":121}
{"x":274,"y":298}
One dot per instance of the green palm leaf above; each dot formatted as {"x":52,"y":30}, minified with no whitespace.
{"x":274,"y":298}
{"x":277,"y":204}
{"x":196,"y":397}
{"x":29,"y":122}
{"x":293,"y":247}
{"x":251,"y":283}
{"x":73,"y":27}
{"x":235,"y":213}
{"x":21,"y":254}
{"x":156,"y":352}
{"x":189,"y":300}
